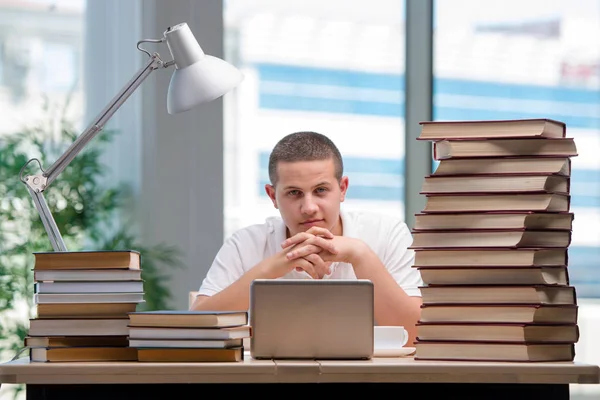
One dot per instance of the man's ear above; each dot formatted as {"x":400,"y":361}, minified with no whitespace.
{"x":270,"y":189}
{"x":343,"y":187}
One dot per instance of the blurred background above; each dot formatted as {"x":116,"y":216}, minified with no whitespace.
{"x":182,"y":184}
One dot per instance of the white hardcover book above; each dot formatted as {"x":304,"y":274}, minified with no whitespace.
{"x":62,"y":298}
{"x":90,"y":287}
{"x":236,"y":332}
{"x":186,"y":343}
{"x":88,"y":275}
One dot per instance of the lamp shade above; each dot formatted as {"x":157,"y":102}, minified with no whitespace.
{"x":198,"y":78}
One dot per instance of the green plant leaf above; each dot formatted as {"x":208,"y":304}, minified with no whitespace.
{"x":84,"y":209}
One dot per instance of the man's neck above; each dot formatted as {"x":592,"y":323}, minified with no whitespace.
{"x":338,"y":229}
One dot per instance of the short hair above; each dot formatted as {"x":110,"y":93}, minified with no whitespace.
{"x":304,"y":146}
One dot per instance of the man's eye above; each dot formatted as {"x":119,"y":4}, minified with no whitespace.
{"x":321,"y":190}
{"x":293,"y":193}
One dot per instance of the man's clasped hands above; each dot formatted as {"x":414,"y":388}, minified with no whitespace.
{"x":314,"y":250}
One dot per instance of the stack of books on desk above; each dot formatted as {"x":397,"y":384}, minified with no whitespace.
{"x":491,"y":243}
{"x":189,"y":336}
{"x":82,"y":302}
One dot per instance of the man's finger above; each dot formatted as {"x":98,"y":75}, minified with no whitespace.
{"x":318,"y":231}
{"x":321,"y":268}
{"x":314,"y":231}
{"x":307,"y":267}
{"x":325,"y":244}
{"x":297,"y":238}
{"x":303,"y":251}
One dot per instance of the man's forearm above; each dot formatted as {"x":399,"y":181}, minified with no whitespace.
{"x":392,"y":305}
{"x":234,"y":297}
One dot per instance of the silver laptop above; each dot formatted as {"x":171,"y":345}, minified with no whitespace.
{"x":311,"y":319}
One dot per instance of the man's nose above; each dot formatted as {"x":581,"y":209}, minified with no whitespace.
{"x":309,"y":206}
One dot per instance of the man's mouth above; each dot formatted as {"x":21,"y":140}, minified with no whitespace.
{"x":311,"y":221}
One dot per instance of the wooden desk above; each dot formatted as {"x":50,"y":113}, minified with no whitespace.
{"x":464,"y":380}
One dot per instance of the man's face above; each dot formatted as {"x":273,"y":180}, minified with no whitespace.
{"x":308,"y":194}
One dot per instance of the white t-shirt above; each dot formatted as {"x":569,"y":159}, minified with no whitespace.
{"x":388,"y":237}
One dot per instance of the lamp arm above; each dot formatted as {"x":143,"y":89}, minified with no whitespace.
{"x":98,"y":124}
{"x":36,"y":184}
{"x":50,"y":226}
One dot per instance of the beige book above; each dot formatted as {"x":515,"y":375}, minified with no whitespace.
{"x":551,"y":202}
{"x":101,"y":259}
{"x":516,"y":352}
{"x":484,"y":129}
{"x":494,"y":276}
{"x":451,"y":149}
{"x":77,"y":341}
{"x":481,"y":238}
{"x":84,"y":310}
{"x":506,"y":313}
{"x":435,"y":184}
{"x":474,"y":257}
{"x":82,"y":354}
{"x":490,"y":220}
{"x":492,"y":294}
{"x":504,"y":165}
{"x":78,"y":327}
{"x":190,"y":319}
{"x":496,"y":332}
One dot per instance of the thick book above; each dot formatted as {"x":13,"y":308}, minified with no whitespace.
{"x":77,"y":341}
{"x":484,"y":129}
{"x":186,"y":343}
{"x":65,"y":298}
{"x":78,"y":327}
{"x":492,"y":294}
{"x":497,"y":275}
{"x":494,"y":220}
{"x":90,"y":287}
{"x":489,"y":238}
{"x":503,"y":184}
{"x":101,"y":259}
{"x":191,"y":319}
{"x":453,"y":149}
{"x":516,"y":313}
{"x":92,"y":275}
{"x":549,"y":202}
{"x":83,"y":354}
{"x":233,"y":354}
{"x":236,"y":332}
{"x":509,"y":352}
{"x":474,"y":257}
{"x":84,"y":310}
{"x":504,"y":165}
{"x":497,"y":332}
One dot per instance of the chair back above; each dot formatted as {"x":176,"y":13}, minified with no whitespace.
{"x":191,"y":297}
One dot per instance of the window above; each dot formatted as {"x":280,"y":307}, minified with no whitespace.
{"x":530,"y":59}
{"x":40,"y":47}
{"x":331,"y":67}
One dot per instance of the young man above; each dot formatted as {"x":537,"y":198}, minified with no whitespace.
{"x":315,"y":239}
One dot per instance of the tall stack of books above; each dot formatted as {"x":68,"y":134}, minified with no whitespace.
{"x":491,"y":243}
{"x":189,"y":336}
{"x":82,"y":302}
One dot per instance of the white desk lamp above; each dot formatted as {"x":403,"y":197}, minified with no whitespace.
{"x":198,"y":78}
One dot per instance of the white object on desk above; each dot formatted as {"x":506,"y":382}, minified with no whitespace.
{"x":389,"y":341}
